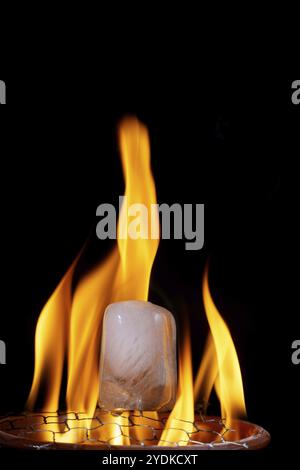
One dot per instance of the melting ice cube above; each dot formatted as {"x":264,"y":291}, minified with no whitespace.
{"x":138,"y":357}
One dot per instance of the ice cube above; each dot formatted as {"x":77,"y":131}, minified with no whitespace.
{"x":138,"y":357}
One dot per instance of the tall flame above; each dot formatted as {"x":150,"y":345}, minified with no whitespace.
{"x":137,"y":248}
{"x":207,"y":373}
{"x":180,"y":421}
{"x":224,"y":371}
{"x":89,"y":302}
{"x":72,"y":326}
{"x":219,"y":368}
{"x":51,"y":344}
{"x":69,"y":326}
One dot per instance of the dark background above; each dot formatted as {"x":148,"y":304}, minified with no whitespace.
{"x":223,"y":142}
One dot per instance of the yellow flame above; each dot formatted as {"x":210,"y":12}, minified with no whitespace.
{"x":227,"y":378}
{"x":207,"y":373}
{"x":72,"y":327}
{"x":146,"y":424}
{"x":138,"y":219}
{"x":90,"y":300}
{"x":51,"y":344}
{"x":180,"y":421}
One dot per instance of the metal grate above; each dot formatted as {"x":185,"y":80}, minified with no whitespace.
{"x":108,"y":429}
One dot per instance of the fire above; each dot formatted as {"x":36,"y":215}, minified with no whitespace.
{"x":220,"y":365}
{"x":137,"y":255}
{"x":69,"y":327}
{"x":207,"y":373}
{"x":180,"y":421}
{"x":124,"y":275}
{"x":51,"y":343}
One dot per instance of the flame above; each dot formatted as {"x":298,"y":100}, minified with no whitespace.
{"x":89,"y":302}
{"x":137,"y":254}
{"x":71,"y":327}
{"x":224,"y":371}
{"x":51,"y":343}
{"x":219,"y":368}
{"x":207,"y":373}
{"x":180,"y":421}
{"x":144,"y":424}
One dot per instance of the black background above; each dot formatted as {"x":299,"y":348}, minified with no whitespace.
{"x":223,"y":142}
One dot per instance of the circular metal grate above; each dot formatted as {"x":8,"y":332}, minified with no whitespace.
{"x":134,"y":430}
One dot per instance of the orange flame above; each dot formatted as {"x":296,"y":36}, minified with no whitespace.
{"x":137,"y":254}
{"x":51,"y":343}
{"x":207,"y":373}
{"x":220,"y":365}
{"x":180,"y":421}
{"x":124,"y":276}
{"x":69,"y":328}
{"x":72,"y":327}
